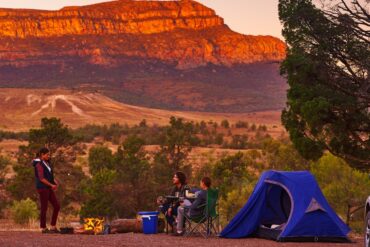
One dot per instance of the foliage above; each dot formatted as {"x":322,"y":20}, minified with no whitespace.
{"x":177,"y":141}
{"x":135,"y":174}
{"x":281,"y":156}
{"x":128,"y":186}
{"x":241,"y":124}
{"x":327,"y":67}
{"x":230,"y":173}
{"x":23,"y":211}
{"x":262,"y":128}
{"x":4,"y":162}
{"x":345,"y":188}
{"x":53,"y":134}
{"x":238,"y":142}
{"x":225,"y":124}
{"x":22,"y":185}
{"x":99,"y":194}
{"x":234,"y":201}
{"x":116,"y":132}
{"x":100,"y":157}
{"x":22,"y":136}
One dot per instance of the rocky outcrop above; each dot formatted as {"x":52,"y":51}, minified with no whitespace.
{"x":116,"y":17}
{"x":181,"y":33}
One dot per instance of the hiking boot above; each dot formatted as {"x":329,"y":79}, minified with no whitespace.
{"x":54,"y":231}
{"x":45,"y":230}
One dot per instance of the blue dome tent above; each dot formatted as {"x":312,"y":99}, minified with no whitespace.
{"x":287,"y":206}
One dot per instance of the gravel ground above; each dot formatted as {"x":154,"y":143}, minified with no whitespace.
{"x":36,"y":239}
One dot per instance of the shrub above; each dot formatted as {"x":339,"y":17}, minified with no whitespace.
{"x":241,"y":124}
{"x":23,"y":211}
{"x":225,"y":124}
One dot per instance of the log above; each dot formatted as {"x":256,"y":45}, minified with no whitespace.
{"x":131,"y":225}
{"x":126,"y":225}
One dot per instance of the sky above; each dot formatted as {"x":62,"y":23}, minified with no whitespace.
{"x":244,"y":16}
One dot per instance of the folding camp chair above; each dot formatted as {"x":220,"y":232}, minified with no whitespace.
{"x":208,"y":223}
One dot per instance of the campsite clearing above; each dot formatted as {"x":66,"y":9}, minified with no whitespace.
{"x":30,"y":239}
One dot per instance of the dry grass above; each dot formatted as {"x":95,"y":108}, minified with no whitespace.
{"x":22,"y":109}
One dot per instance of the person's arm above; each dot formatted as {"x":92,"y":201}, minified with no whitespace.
{"x":44,"y":181}
{"x":56,"y":182}
{"x":200,"y":200}
{"x":185,"y":190}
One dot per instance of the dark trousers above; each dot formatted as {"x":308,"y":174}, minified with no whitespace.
{"x":48,"y":195}
{"x":169,"y":218}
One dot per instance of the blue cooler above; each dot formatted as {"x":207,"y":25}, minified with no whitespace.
{"x":150,"y":222}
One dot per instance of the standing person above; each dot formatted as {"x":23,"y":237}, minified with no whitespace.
{"x":195,"y":209}
{"x":46,"y":186}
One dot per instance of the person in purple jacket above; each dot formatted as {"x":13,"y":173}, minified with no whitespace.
{"x":46,"y":186}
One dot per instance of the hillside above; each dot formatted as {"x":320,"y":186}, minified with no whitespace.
{"x":21,"y":109}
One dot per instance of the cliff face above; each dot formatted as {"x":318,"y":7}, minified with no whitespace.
{"x":184,"y":33}
{"x":117,"y":17}
{"x":132,"y":46}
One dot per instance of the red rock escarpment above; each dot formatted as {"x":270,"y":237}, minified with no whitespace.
{"x":181,"y":33}
{"x":116,"y":17}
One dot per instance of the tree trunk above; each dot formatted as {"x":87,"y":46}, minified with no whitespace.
{"x":348,"y":214}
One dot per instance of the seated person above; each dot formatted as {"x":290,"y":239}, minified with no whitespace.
{"x":195,"y":209}
{"x":169,"y":207}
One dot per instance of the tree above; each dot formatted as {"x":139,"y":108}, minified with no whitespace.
{"x":281,"y":156}
{"x":231,"y":172}
{"x":100,"y":157}
{"x":53,"y":134}
{"x":135,"y":174}
{"x":99,"y":194}
{"x":344,"y":187}
{"x":177,"y":142}
{"x":239,"y":142}
{"x":234,"y":200}
{"x":225,"y":124}
{"x":232,"y":176}
{"x":241,"y":124}
{"x":327,"y":67}
{"x":4,"y":162}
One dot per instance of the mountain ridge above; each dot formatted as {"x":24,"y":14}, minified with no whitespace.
{"x":114,"y":17}
{"x":130,"y":48}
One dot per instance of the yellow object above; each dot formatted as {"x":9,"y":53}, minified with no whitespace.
{"x":94,"y":224}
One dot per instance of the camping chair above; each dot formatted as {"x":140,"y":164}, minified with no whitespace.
{"x":208,"y":223}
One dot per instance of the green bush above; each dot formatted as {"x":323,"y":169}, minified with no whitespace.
{"x":23,"y":211}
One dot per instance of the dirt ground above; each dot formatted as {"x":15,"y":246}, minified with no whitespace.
{"x":36,"y":239}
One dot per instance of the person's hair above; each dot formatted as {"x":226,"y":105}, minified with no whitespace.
{"x":42,"y":151}
{"x":206,"y":181}
{"x":181,"y":176}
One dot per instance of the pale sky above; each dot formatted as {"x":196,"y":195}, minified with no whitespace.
{"x":258,"y":17}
